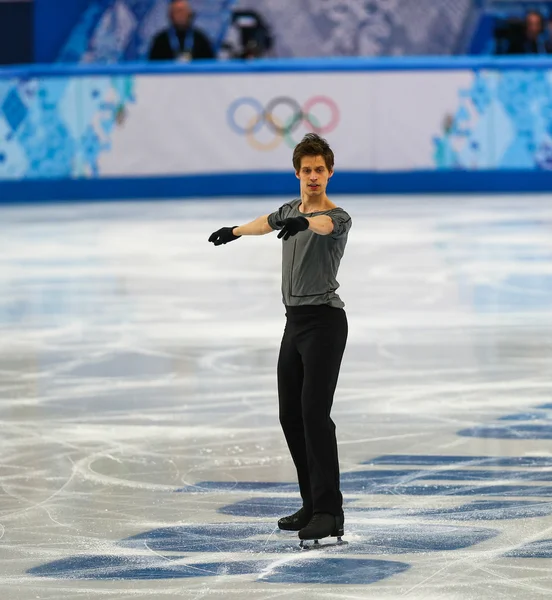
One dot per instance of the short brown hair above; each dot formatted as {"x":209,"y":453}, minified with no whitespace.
{"x":313,"y":145}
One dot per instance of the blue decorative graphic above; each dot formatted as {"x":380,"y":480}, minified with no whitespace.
{"x":136,"y":567}
{"x":91,"y":149}
{"x":540,"y":549}
{"x":408,"y":483}
{"x":528,"y":416}
{"x":337,"y":571}
{"x":460,"y":461}
{"x":14,"y":109}
{"x":258,"y":537}
{"x":399,"y":476}
{"x":313,"y":571}
{"x":509,"y":125}
{"x":219,"y":537}
{"x":512,"y":432}
{"x":59,"y":127}
{"x":479,"y":510}
{"x":480,"y":94}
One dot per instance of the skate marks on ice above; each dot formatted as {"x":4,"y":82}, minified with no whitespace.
{"x":132,"y":369}
{"x":302,"y":569}
{"x":168,"y":553}
{"x":174,"y":552}
{"x":406,"y":483}
{"x":178,"y":552}
{"x":477,"y":510}
{"x":535,"y":424}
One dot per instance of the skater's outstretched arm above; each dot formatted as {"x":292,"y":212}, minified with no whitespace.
{"x":259,"y":226}
{"x":322,"y":225}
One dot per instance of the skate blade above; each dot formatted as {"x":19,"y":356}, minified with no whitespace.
{"x":316,"y":545}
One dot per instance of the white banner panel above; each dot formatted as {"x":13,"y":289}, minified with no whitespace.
{"x":410,"y":110}
{"x":250,"y":123}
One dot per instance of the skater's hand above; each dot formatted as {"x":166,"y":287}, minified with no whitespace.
{"x":292,"y":226}
{"x":223,"y":236}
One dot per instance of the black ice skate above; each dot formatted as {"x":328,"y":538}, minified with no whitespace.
{"x":322,"y":525}
{"x":296,"y":521}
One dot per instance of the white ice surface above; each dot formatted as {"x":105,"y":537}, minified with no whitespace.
{"x":137,"y":360}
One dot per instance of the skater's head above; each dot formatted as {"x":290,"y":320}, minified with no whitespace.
{"x":313,"y":161}
{"x":313,"y":145}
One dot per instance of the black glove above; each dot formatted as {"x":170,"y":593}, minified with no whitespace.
{"x":292,"y":226}
{"x":223,"y":236}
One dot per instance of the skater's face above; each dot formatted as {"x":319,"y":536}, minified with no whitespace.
{"x":314,"y":176}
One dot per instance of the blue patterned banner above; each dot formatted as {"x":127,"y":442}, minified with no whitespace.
{"x":503,"y":121}
{"x":58,"y":127}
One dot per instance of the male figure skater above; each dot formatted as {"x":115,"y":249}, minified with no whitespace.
{"x":314,"y":232}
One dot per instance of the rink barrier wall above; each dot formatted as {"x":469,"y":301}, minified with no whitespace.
{"x":281,"y":184}
{"x":428,"y":125}
{"x":283,"y":65}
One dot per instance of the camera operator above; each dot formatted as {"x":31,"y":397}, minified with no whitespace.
{"x":248,"y":36}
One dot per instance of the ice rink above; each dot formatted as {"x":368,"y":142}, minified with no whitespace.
{"x":140,"y":450}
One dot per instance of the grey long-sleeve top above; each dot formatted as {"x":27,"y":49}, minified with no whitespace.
{"x":310,"y":262}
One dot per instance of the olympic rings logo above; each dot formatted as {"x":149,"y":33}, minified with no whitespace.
{"x":282,"y":116}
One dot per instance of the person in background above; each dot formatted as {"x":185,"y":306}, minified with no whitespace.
{"x":527,"y":38}
{"x":181,"y":41}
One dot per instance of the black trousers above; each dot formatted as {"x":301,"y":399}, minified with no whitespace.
{"x":308,"y":368}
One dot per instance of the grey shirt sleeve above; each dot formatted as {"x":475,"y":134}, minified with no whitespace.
{"x":341,"y":221}
{"x":281,"y":214}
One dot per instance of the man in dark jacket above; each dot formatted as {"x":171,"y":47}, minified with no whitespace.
{"x":524,"y":37}
{"x":181,"y":41}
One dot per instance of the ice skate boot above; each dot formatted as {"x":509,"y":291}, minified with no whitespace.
{"x":296,"y":521}
{"x":322,"y":525}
